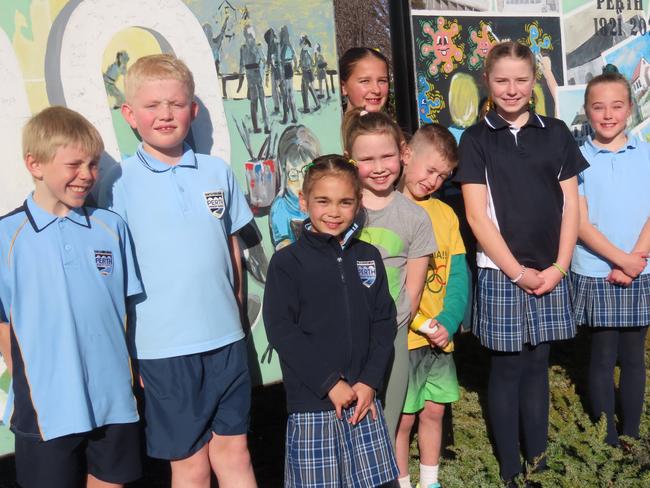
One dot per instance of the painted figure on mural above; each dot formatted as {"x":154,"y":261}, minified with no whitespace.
{"x":298,"y":146}
{"x":288,"y":60}
{"x":274,"y":69}
{"x":112,"y":74}
{"x":307,"y":69}
{"x":215,"y":42}
{"x":251,"y":59}
{"x":321,"y":71}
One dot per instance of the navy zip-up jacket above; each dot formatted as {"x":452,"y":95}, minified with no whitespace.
{"x":329,"y":315}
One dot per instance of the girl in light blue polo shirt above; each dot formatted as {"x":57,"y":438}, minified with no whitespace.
{"x":610,"y":272}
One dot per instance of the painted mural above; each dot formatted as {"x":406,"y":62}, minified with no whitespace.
{"x":266,"y":83}
{"x":572,"y":40}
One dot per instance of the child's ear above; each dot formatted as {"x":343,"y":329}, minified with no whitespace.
{"x":195,"y":110}
{"x":406,"y":153}
{"x":127,"y":113}
{"x":302,"y":201}
{"x":33,"y":166}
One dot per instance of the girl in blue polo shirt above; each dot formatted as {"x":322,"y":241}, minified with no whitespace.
{"x":519,"y":181}
{"x":610,"y":272}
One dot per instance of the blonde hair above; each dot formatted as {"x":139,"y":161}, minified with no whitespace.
{"x":438,"y":137}
{"x":56,"y":127}
{"x":359,"y":122}
{"x":157,"y":67}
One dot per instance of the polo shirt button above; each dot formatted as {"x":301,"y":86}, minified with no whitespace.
{"x":67,"y":247}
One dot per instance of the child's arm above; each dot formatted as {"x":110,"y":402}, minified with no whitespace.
{"x":454,"y":302}
{"x":491,"y":240}
{"x":642,"y":245}
{"x":380,"y":350}
{"x":416,"y":275}
{"x":568,"y":236}
{"x":5,"y":344}
{"x":631,"y":264}
{"x":235,"y":257}
{"x":297,"y":350}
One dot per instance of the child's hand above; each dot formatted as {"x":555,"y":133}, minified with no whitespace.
{"x":342,"y":396}
{"x":551,"y":276}
{"x":530,"y":281}
{"x":617,"y":277}
{"x":634,"y":263}
{"x":365,"y":403}
{"x":438,"y":337}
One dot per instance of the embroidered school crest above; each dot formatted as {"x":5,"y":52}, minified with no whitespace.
{"x":216,"y":202}
{"x":367,"y":272}
{"x":104,"y":262}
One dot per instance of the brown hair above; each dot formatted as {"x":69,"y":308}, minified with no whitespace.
{"x":55,"y":127}
{"x":359,"y":122}
{"x":440,"y":138}
{"x":509,"y":49}
{"x":610,"y":74}
{"x":332,"y":165}
{"x":157,"y":67}
{"x":352,"y":56}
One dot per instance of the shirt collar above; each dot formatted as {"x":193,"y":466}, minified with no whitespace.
{"x":592,"y":149}
{"x":40,"y":218}
{"x":347,"y":236}
{"x":188,"y":160}
{"x":496,"y":122}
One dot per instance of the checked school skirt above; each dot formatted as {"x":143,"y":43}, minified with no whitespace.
{"x":506,"y":317}
{"x":599,"y":303}
{"x":325,"y":452}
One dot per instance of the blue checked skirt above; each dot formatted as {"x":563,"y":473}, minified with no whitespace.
{"x":506,"y":317}
{"x":599,"y":303}
{"x":323,"y":451}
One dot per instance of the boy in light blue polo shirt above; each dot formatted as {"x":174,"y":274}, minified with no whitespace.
{"x":66,"y":270}
{"x":183,"y":210}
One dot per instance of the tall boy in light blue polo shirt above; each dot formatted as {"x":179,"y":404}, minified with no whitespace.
{"x":183,"y":210}
{"x":66,"y":270}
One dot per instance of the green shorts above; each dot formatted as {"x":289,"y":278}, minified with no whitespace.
{"x":432,"y":377}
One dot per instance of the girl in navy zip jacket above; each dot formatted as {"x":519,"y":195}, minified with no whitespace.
{"x":330,"y":317}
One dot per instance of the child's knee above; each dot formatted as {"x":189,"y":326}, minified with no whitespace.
{"x":232,"y":449}
{"x":406,"y":421}
{"x":195,"y":469}
{"x":432,"y":412}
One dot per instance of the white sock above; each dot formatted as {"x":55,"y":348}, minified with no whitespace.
{"x":404,"y":482}
{"x":428,"y":475}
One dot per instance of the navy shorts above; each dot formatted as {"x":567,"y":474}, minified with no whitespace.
{"x":110,"y":453}
{"x":187,"y":398}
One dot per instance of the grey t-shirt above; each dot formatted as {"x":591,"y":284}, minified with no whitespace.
{"x":401,"y":231}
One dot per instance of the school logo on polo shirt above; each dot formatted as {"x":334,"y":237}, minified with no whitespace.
{"x":367,"y":272}
{"x":104,"y":262}
{"x":216,"y":202}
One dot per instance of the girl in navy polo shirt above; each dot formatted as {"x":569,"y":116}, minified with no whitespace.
{"x":329,"y":315}
{"x":518,"y":172}
{"x":610,"y":271}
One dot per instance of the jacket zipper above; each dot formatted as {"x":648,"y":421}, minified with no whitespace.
{"x":346,"y":299}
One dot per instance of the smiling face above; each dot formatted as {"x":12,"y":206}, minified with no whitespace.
{"x":161,"y":110}
{"x":367,"y":85}
{"x":378,"y":157}
{"x":331,"y":204}
{"x":608,"y":108}
{"x":64,"y":182}
{"x":425,"y":170}
{"x":510,"y":83}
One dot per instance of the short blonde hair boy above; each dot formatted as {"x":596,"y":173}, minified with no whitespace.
{"x":157,"y":67}
{"x":55,"y":127}
{"x":438,"y":137}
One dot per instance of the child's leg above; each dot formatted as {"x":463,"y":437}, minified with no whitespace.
{"x":503,"y":409}
{"x":604,"y":349}
{"x":534,"y":402}
{"x":631,"y":357}
{"x":430,"y":433}
{"x":231,"y":461}
{"x":397,"y":383}
{"x":402,"y":442}
{"x":193,"y":471}
{"x":113,"y":455}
